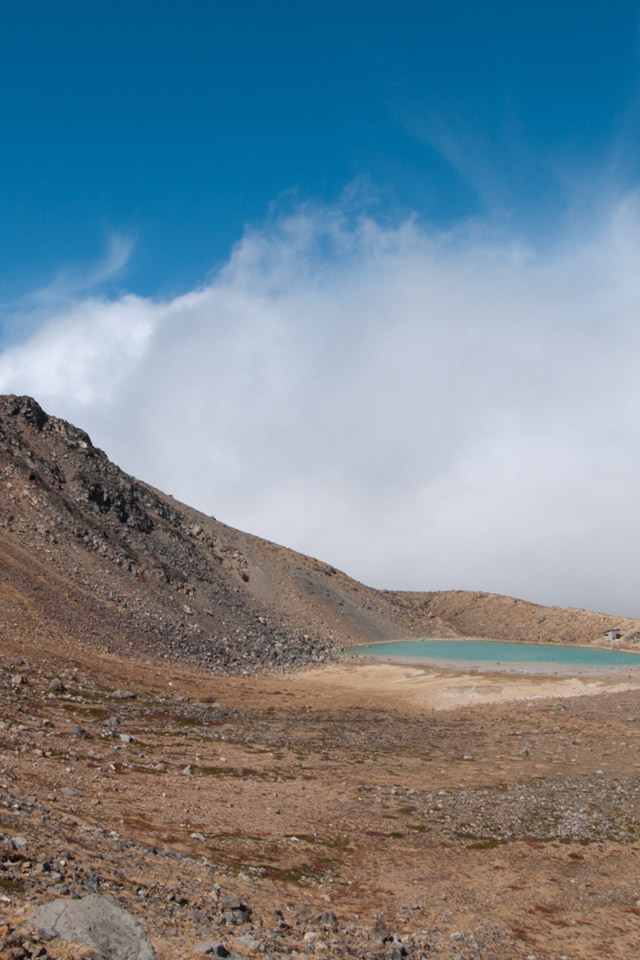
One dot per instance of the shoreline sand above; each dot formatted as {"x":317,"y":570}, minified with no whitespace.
{"x":407,"y":686}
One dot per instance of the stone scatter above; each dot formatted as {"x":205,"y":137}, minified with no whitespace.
{"x":324,"y":831}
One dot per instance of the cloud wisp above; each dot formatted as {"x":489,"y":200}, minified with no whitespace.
{"x":28,"y":312}
{"x":426,"y":411}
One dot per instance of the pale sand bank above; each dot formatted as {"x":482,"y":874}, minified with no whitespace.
{"x":410,"y":687}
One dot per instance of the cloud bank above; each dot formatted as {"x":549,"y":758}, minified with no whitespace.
{"x":425,"y":410}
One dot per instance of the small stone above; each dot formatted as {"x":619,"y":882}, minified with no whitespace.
{"x":249,"y":941}
{"x":381,"y":932}
{"x":212,"y":948}
{"x":328,"y":919}
{"x":399,"y":951}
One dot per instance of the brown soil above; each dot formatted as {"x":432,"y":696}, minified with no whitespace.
{"x":337,"y":788}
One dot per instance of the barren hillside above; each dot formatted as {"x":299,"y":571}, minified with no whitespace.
{"x":507,"y":618}
{"x":90,"y":555}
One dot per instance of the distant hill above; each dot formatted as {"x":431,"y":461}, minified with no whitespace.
{"x":480,"y":614}
{"x":90,"y":555}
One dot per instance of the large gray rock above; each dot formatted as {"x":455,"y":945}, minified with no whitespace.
{"x":97,"y":921}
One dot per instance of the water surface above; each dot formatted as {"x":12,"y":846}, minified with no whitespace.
{"x":495,"y":651}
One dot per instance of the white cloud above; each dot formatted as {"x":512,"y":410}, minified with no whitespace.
{"x":426,"y":411}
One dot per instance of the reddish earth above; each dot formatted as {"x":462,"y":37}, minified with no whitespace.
{"x":305,"y":800}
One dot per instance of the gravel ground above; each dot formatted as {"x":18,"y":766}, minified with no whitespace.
{"x":226,"y":810}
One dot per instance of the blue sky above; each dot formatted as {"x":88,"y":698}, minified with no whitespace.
{"x":175,"y":125}
{"x":361,"y":278}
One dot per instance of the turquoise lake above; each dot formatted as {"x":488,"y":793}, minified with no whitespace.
{"x":492,"y":651}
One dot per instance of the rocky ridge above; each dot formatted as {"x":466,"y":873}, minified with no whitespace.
{"x":92,"y":554}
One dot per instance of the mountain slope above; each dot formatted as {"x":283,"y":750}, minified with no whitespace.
{"x":89,"y":555}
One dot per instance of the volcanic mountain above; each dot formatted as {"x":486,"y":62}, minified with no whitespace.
{"x":92,"y":556}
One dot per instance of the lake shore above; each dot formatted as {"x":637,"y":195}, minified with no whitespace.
{"x":419,"y":686}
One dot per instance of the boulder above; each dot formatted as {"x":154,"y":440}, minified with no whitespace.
{"x":98,"y":921}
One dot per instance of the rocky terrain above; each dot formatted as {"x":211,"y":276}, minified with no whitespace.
{"x":245,"y":813}
{"x":165,"y":741}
